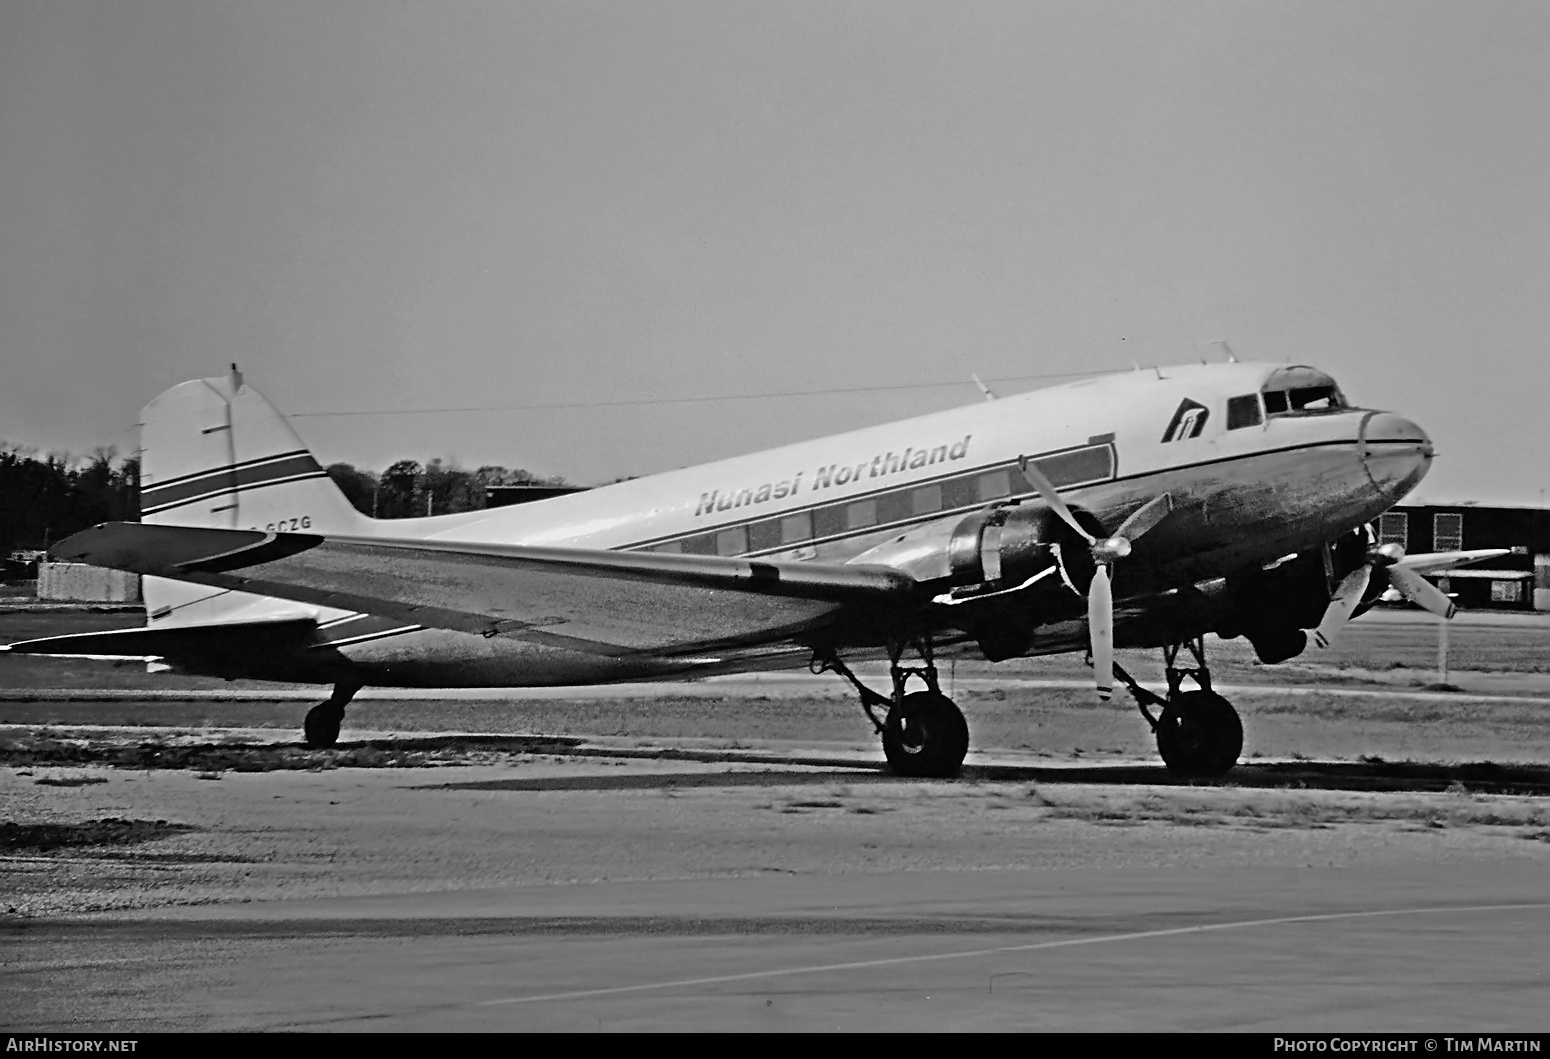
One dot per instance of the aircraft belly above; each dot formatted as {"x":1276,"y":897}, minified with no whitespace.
{"x":443,"y":658}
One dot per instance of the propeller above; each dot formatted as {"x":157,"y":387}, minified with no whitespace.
{"x":1410,"y":584}
{"x":1106,"y":552}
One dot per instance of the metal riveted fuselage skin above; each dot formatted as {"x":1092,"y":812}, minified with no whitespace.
{"x":1242,"y":497}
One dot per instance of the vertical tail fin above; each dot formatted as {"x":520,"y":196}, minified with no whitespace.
{"x":214,"y":452}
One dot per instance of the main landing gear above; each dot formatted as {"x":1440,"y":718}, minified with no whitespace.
{"x":1198,"y":732}
{"x":321,"y":726}
{"x":924,"y":734}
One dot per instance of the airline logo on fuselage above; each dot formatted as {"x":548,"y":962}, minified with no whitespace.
{"x":1187,"y":422}
{"x":831,"y":475}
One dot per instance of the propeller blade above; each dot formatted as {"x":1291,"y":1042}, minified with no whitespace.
{"x":1100,"y":626}
{"x":1143,"y":518}
{"x":1420,"y":591}
{"x":1432,"y":562}
{"x":1047,"y":491}
{"x":1347,"y":596}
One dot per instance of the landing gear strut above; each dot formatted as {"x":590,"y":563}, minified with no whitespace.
{"x":321,"y":726}
{"x":1198,"y":732}
{"x":924,"y":734}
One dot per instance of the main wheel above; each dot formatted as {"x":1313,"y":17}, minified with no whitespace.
{"x":321,"y":726}
{"x":1199,"y":734}
{"x":926,"y":736}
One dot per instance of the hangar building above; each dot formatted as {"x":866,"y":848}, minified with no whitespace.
{"x":1517,"y":581}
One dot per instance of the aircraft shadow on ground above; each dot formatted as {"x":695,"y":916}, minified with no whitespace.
{"x":1408,"y":776}
{"x":1376,"y":776}
{"x":664,"y":781}
{"x":770,"y":768}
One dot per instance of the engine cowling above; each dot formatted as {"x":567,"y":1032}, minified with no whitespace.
{"x":982,"y":558}
{"x":1004,"y":547}
{"x":995,"y":548}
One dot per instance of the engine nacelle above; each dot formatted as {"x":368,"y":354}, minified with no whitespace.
{"x":1005,"y":546}
{"x":1000,"y":548}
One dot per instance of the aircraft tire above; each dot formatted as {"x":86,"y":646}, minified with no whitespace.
{"x":1199,"y":735}
{"x":321,"y":726}
{"x":927,"y":738}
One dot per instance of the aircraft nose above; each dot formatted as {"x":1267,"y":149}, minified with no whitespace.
{"x":1395,"y":451}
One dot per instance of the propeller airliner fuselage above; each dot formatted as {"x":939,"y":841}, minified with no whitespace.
{"x":1137,"y":510}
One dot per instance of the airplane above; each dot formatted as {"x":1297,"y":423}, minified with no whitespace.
{"x":1146,"y":509}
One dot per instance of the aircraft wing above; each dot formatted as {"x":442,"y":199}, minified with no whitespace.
{"x":603,"y":602}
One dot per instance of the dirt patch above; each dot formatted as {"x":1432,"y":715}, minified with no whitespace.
{"x":112,"y":831}
{"x":211,"y":758}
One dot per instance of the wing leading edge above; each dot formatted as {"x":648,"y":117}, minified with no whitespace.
{"x":604,"y":602}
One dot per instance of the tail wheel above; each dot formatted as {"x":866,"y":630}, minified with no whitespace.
{"x":1199,"y":735}
{"x":321,"y":725}
{"x":926,"y":736}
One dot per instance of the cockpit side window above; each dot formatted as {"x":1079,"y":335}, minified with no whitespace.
{"x":1243,"y":411}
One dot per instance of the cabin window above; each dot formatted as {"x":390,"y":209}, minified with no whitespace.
{"x":1447,"y":532}
{"x":1243,"y":411}
{"x":762,"y":536}
{"x":960,"y":492}
{"x":927,"y":499}
{"x":829,"y":521}
{"x":995,"y":486}
{"x":861,"y":514}
{"x":894,"y":507}
{"x":732,"y":541}
{"x":794,"y":529}
{"x":1394,"y":528}
{"x":700,"y":544}
{"x":671,"y":547}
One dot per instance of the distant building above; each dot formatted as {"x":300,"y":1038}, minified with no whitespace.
{"x":79,"y":583}
{"x":1517,"y":581}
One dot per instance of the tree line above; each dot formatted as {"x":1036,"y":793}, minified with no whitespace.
{"x":44,"y":499}
{"x":408,"y":490}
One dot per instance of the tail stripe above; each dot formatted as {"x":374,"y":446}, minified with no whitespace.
{"x":239,"y":465}
{"x":254,"y":474}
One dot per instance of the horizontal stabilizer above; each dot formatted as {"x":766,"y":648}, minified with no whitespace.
{"x":173,"y":640}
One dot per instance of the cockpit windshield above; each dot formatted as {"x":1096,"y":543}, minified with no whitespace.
{"x":1289,"y":391}
{"x":1301,"y":391}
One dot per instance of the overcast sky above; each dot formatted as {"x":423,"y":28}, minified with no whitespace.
{"x":374,"y":205}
